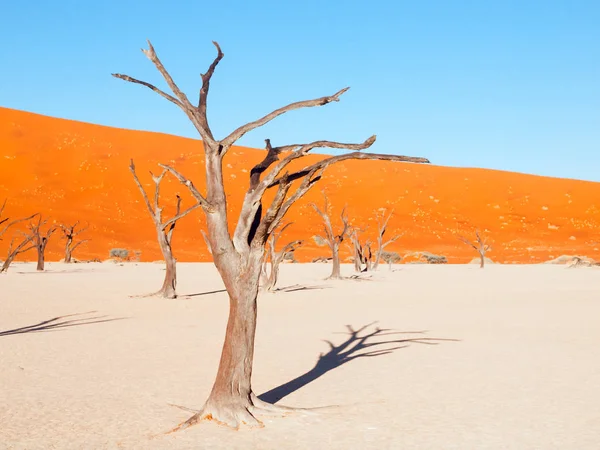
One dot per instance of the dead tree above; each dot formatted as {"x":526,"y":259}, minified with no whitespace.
{"x":362,"y":252}
{"x":480,"y":245}
{"x":239,"y":256}
{"x":24,"y":246}
{"x":332,"y":239}
{"x":382,"y":223}
{"x":69,"y":234}
{"x":40,"y":240}
{"x":164,"y":230}
{"x":274,"y":258}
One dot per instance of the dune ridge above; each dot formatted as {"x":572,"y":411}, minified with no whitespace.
{"x":71,"y":171}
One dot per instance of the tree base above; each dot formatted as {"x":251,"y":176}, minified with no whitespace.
{"x":238,"y":413}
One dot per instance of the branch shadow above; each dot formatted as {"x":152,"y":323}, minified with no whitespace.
{"x":57,"y":323}
{"x":300,"y":287}
{"x":198,"y":294}
{"x":355,"y":346}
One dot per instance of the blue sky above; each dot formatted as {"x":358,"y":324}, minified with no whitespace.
{"x":510,"y":85}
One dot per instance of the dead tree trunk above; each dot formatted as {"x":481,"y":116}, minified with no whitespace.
{"x":382,"y":223}
{"x":357,"y":250}
{"x":69,"y":234}
{"x":164,"y":230}
{"x":480,"y":245}
{"x":332,"y":239}
{"x":239,"y":257}
{"x":41,"y":240}
{"x":274,"y":258}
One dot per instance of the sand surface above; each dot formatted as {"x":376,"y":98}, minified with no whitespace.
{"x":500,"y":358}
{"x":71,"y":171}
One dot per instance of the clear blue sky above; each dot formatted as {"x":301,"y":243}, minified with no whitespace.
{"x":511,"y":85}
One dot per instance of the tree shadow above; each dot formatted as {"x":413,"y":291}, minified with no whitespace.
{"x":355,"y":346}
{"x":59,"y":322}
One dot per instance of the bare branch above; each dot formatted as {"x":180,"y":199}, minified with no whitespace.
{"x":197,"y":195}
{"x":149,"y":86}
{"x":141,"y":188}
{"x":180,"y":215}
{"x":241,"y":131}
{"x":205,"y":87}
{"x":302,"y":150}
{"x":270,"y":158}
{"x":354,"y":155}
{"x":79,"y":243}
{"x":14,"y":222}
{"x":152,"y":56}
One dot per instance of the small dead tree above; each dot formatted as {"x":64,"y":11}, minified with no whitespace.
{"x":164,"y":229}
{"x":382,"y":223}
{"x":70,"y":232}
{"x":40,"y":240}
{"x":362,"y":253}
{"x":23,"y":246}
{"x":274,"y":258}
{"x":480,"y":245}
{"x":332,"y":239}
{"x":239,"y":256}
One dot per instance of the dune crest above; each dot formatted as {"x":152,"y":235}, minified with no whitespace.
{"x":72,"y":171}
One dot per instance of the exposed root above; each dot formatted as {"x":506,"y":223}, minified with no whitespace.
{"x":232,"y":416}
{"x":238,"y":414}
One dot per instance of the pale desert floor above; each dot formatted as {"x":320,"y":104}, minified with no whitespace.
{"x":502,"y":358}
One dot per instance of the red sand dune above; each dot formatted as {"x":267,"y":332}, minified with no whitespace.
{"x":72,"y":171}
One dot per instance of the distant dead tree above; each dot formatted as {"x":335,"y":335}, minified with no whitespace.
{"x":391,"y":258}
{"x":480,"y":245}
{"x":382,"y":223}
{"x":164,"y":229}
{"x":40,"y":240}
{"x":362,"y":254}
{"x":332,"y":239}
{"x":274,"y":258}
{"x":69,"y":234}
{"x":6,"y":223}
{"x":239,"y":256}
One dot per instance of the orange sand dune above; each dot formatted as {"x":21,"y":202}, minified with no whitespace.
{"x":72,"y":171}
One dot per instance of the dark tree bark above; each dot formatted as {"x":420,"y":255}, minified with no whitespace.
{"x":70,"y":232}
{"x":382,"y":223}
{"x":164,"y":230}
{"x":239,"y":257}
{"x":274,"y":258}
{"x":480,"y":245}
{"x":40,"y":240}
{"x":333,"y":240}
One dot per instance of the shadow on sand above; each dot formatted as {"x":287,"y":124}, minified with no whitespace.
{"x":60,"y":322}
{"x":355,"y":346}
